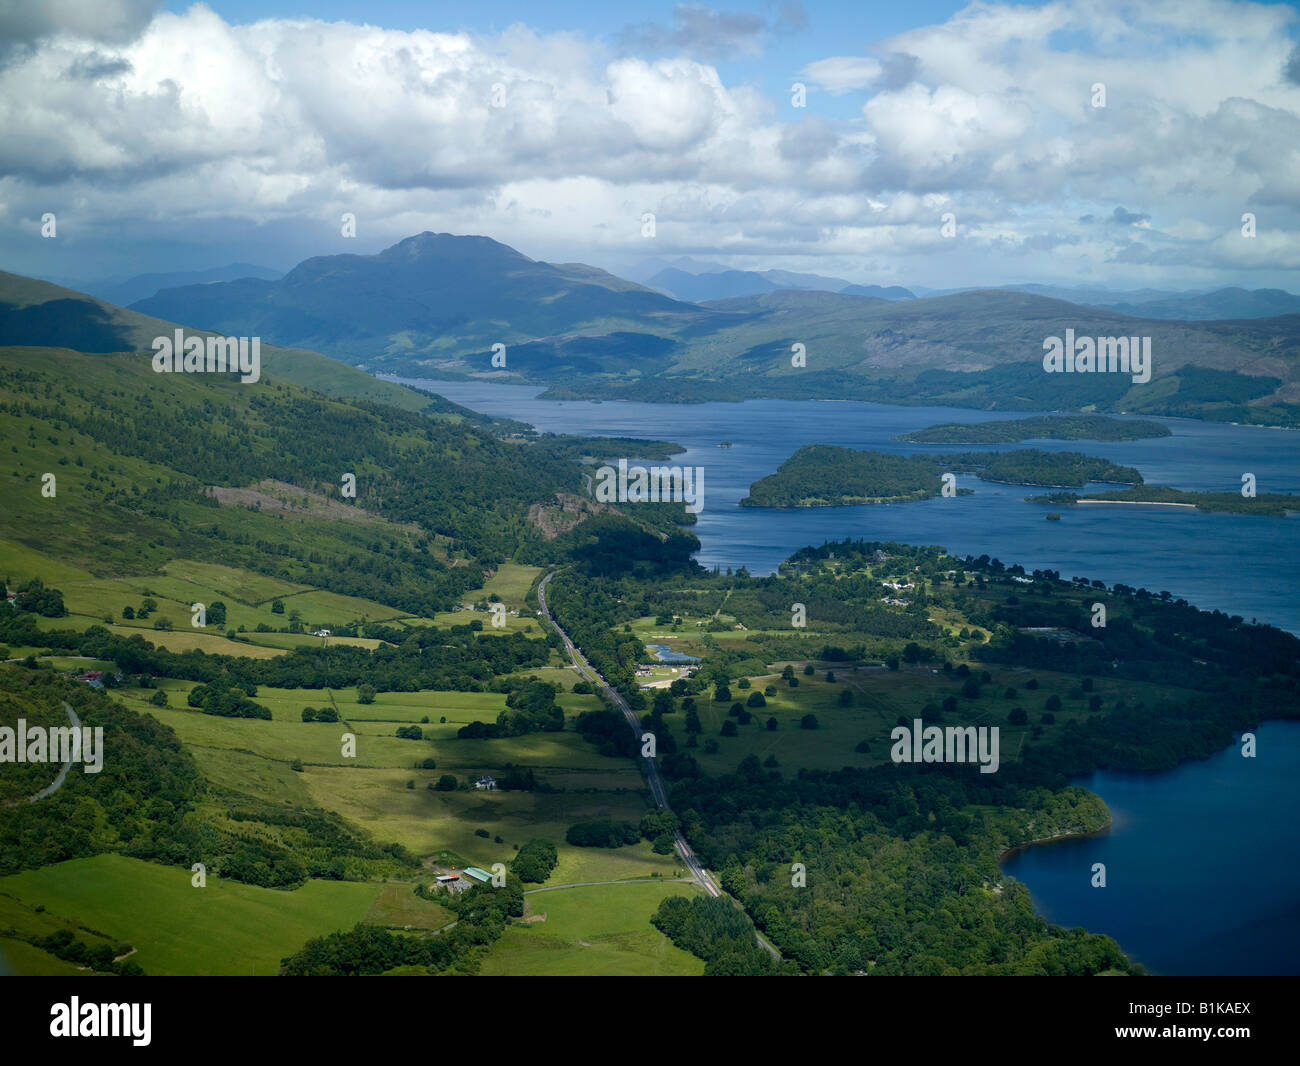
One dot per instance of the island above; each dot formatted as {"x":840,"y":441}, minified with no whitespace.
{"x":824,"y":475}
{"x":1276,"y":504}
{"x":1045,"y":427}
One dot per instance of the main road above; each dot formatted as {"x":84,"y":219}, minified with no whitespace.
{"x":588,"y":671}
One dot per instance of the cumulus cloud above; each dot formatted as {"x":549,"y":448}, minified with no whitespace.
{"x":701,"y":31}
{"x":184,"y":120}
{"x":99,"y":20}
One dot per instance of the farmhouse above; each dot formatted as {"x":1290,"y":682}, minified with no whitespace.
{"x":487,"y":781}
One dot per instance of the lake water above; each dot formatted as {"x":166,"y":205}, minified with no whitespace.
{"x":665,"y":654}
{"x":1240,"y":564}
{"x":1202,"y":863}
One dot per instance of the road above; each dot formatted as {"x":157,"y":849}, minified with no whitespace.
{"x":693,"y":864}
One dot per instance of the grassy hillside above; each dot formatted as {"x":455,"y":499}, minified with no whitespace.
{"x":40,"y":314}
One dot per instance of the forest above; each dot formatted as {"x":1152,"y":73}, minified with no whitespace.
{"x":824,"y":475}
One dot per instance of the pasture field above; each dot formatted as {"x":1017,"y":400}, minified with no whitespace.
{"x":289,"y":641}
{"x":255,"y":775}
{"x":397,"y":906}
{"x":598,"y":930}
{"x":224,"y":928}
{"x":523,"y":623}
{"x":210,"y":640}
{"x":444,"y":823}
{"x":20,"y":959}
{"x":511,"y":583}
{"x":20,"y":563}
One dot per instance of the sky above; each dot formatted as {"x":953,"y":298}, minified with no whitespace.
{"x":1078,"y":142}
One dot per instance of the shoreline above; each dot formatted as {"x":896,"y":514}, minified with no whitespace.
{"x":1139,"y":503}
{"x":1110,"y":822}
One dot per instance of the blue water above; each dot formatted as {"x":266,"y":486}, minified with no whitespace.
{"x":665,"y":654}
{"x":1240,"y":564}
{"x":1202,"y":863}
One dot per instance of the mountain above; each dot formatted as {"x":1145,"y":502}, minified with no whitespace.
{"x":696,"y":288}
{"x":40,"y":314}
{"x":142,"y":286}
{"x":427,"y":301}
{"x":435,"y":305}
{"x":1220,"y":304}
{"x":1188,"y":306}
{"x":885,"y":292}
{"x":646,"y":269}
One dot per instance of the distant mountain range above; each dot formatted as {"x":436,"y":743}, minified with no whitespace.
{"x":436,"y":305}
{"x":126,"y":291}
{"x":727,"y":284}
{"x":1155,"y":303}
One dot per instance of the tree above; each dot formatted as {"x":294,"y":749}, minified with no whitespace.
{"x":808,"y":670}
{"x":736,"y":710}
{"x":159,"y":698}
{"x":216,"y":613}
{"x":772,"y":725}
{"x":830,"y":677}
{"x":729,"y":728}
{"x":128,"y":611}
{"x":365,"y":693}
{"x":787,"y":673}
{"x":846,"y":698}
{"x":277,"y":607}
{"x":721,"y":694}
{"x":446,"y":783}
{"x":1053,"y":703}
{"x":756,"y":699}
{"x":1018,"y":716}
{"x":809,"y":721}
{"x":309,"y":714}
{"x":770,"y":690}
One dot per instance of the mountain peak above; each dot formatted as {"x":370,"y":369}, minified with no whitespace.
{"x":428,"y":243}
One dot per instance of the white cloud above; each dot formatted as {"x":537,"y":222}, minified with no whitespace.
{"x":187,"y":117}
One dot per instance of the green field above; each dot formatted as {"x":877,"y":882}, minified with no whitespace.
{"x":224,"y":929}
{"x":598,"y":930}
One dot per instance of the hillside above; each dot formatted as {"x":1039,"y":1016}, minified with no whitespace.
{"x":429,"y":298}
{"x":40,"y":314}
{"x":434,"y":305}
